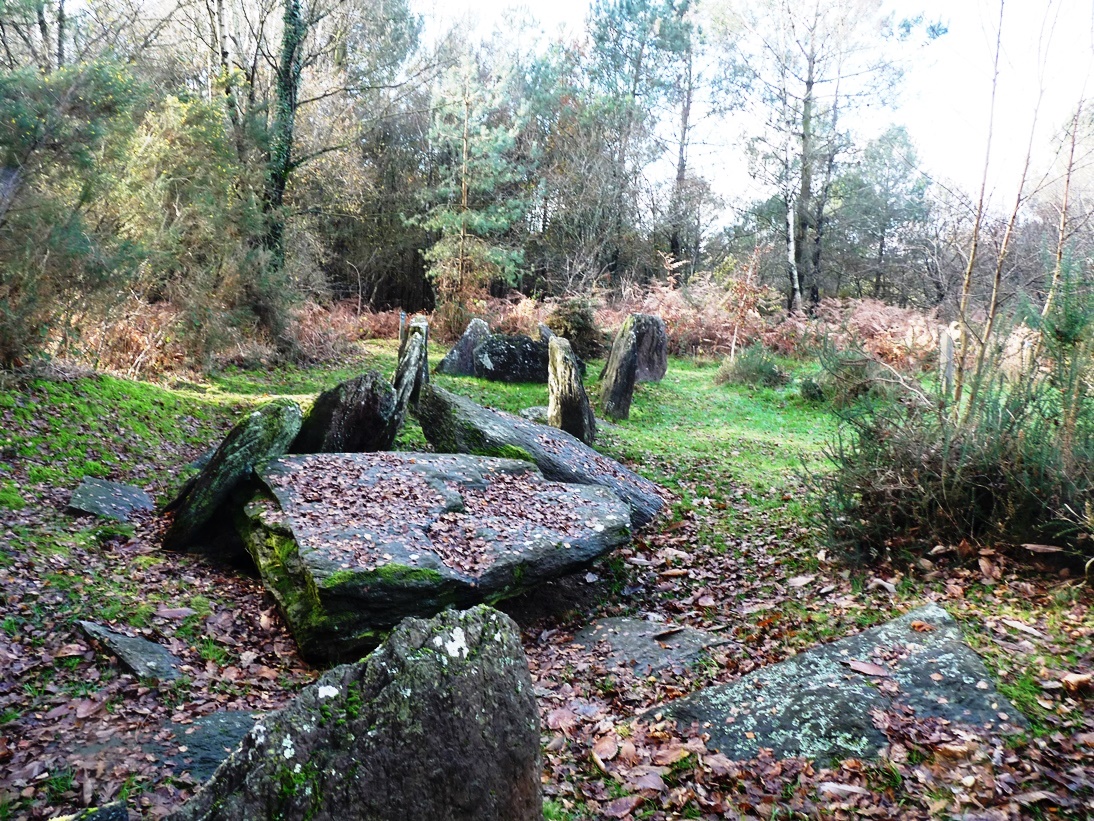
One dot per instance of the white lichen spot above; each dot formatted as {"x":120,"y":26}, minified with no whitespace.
{"x":327,"y":691}
{"x":497,"y":636}
{"x":287,"y":748}
{"x":297,"y":768}
{"x":437,"y":641}
{"x":457,"y":648}
{"x":258,"y":732}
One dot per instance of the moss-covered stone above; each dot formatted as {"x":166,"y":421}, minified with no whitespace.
{"x":439,"y":723}
{"x":400,"y":539}
{"x":355,"y":416}
{"x":455,"y":424}
{"x":264,"y":434}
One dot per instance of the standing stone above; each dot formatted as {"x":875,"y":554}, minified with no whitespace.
{"x":518,"y":358}
{"x":439,"y":723}
{"x":653,"y":347}
{"x":620,"y":373}
{"x":544,"y":332}
{"x":357,"y":416}
{"x":567,"y":403}
{"x":413,"y":369}
{"x":263,"y":434}
{"x":460,"y":361}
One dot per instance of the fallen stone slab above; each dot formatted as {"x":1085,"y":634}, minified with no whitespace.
{"x":519,"y":358}
{"x":141,"y":657}
{"x":263,"y":434}
{"x":114,"y":811}
{"x":350,"y":544}
{"x":209,"y":740}
{"x":439,"y":723}
{"x":110,"y":500}
{"x":455,"y":424}
{"x":355,"y":416}
{"x":820,"y":703}
{"x":646,"y":646}
{"x":460,"y":361}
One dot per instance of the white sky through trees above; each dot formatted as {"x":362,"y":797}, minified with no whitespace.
{"x":1048,"y":51}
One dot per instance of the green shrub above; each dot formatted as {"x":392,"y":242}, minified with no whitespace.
{"x":811,"y":390}
{"x":575,"y":320}
{"x":755,"y":365}
{"x":913,"y":473}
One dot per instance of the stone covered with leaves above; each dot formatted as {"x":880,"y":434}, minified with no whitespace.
{"x":620,"y":373}
{"x":356,"y":416}
{"x":439,"y":723}
{"x":109,"y":500}
{"x":822,"y":704}
{"x":460,"y":361}
{"x":455,"y":424}
{"x":350,"y":544}
{"x":264,"y":434}
{"x":519,"y":358}
{"x":568,"y":405}
{"x":653,"y":347}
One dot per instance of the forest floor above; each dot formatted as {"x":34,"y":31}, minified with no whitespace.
{"x":738,"y":552}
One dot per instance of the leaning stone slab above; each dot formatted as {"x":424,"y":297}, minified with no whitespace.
{"x":355,"y":416}
{"x":517,"y":358}
{"x":568,"y":405}
{"x":620,"y":373}
{"x":350,"y":544}
{"x":460,"y":361}
{"x":110,"y":500}
{"x":817,"y":705}
{"x":645,"y":646}
{"x":412,"y":369}
{"x":263,"y":434}
{"x":141,"y":657}
{"x":653,"y":348}
{"x":439,"y":723}
{"x":455,"y":424}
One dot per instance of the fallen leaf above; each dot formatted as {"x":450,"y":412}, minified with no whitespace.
{"x":1024,"y":628}
{"x":800,"y":581}
{"x":838,"y":790}
{"x":876,"y":583}
{"x":606,"y":748}
{"x":1043,"y":548}
{"x":1027,"y":798}
{"x":922,"y":627}
{"x":621,"y":807}
{"x":1076,"y":681}
{"x":867,"y":667}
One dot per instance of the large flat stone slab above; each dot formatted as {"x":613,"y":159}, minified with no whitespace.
{"x":455,"y":424}
{"x":350,"y":544}
{"x":819,"y":704}
{"x":109,"y":500}
{"x":645,"y":646}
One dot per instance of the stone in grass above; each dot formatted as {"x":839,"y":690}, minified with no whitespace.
{"x":536,"y":413}
{"x":517,"y":358}
{"x":350,"y":544}
{"x":439,"y":723}
{"x":568,"y":405}
{"x":263,"y":434}
{"x":110,"y":500}
{"x":819,"y":703}
{"x":208,"y":739}
{"x":143,"y":658}
{"x":460,"y":361}
{"x":653,"y":348}
{"x":620,"y":373}
{"x":645,"y":646}
{"x":355,"y":416}
{"x":455,"y":424}
{"x":412,"y":368}
{"x":114,"y":811}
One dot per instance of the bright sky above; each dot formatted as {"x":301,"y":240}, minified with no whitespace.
{"x":1048,"y":52}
